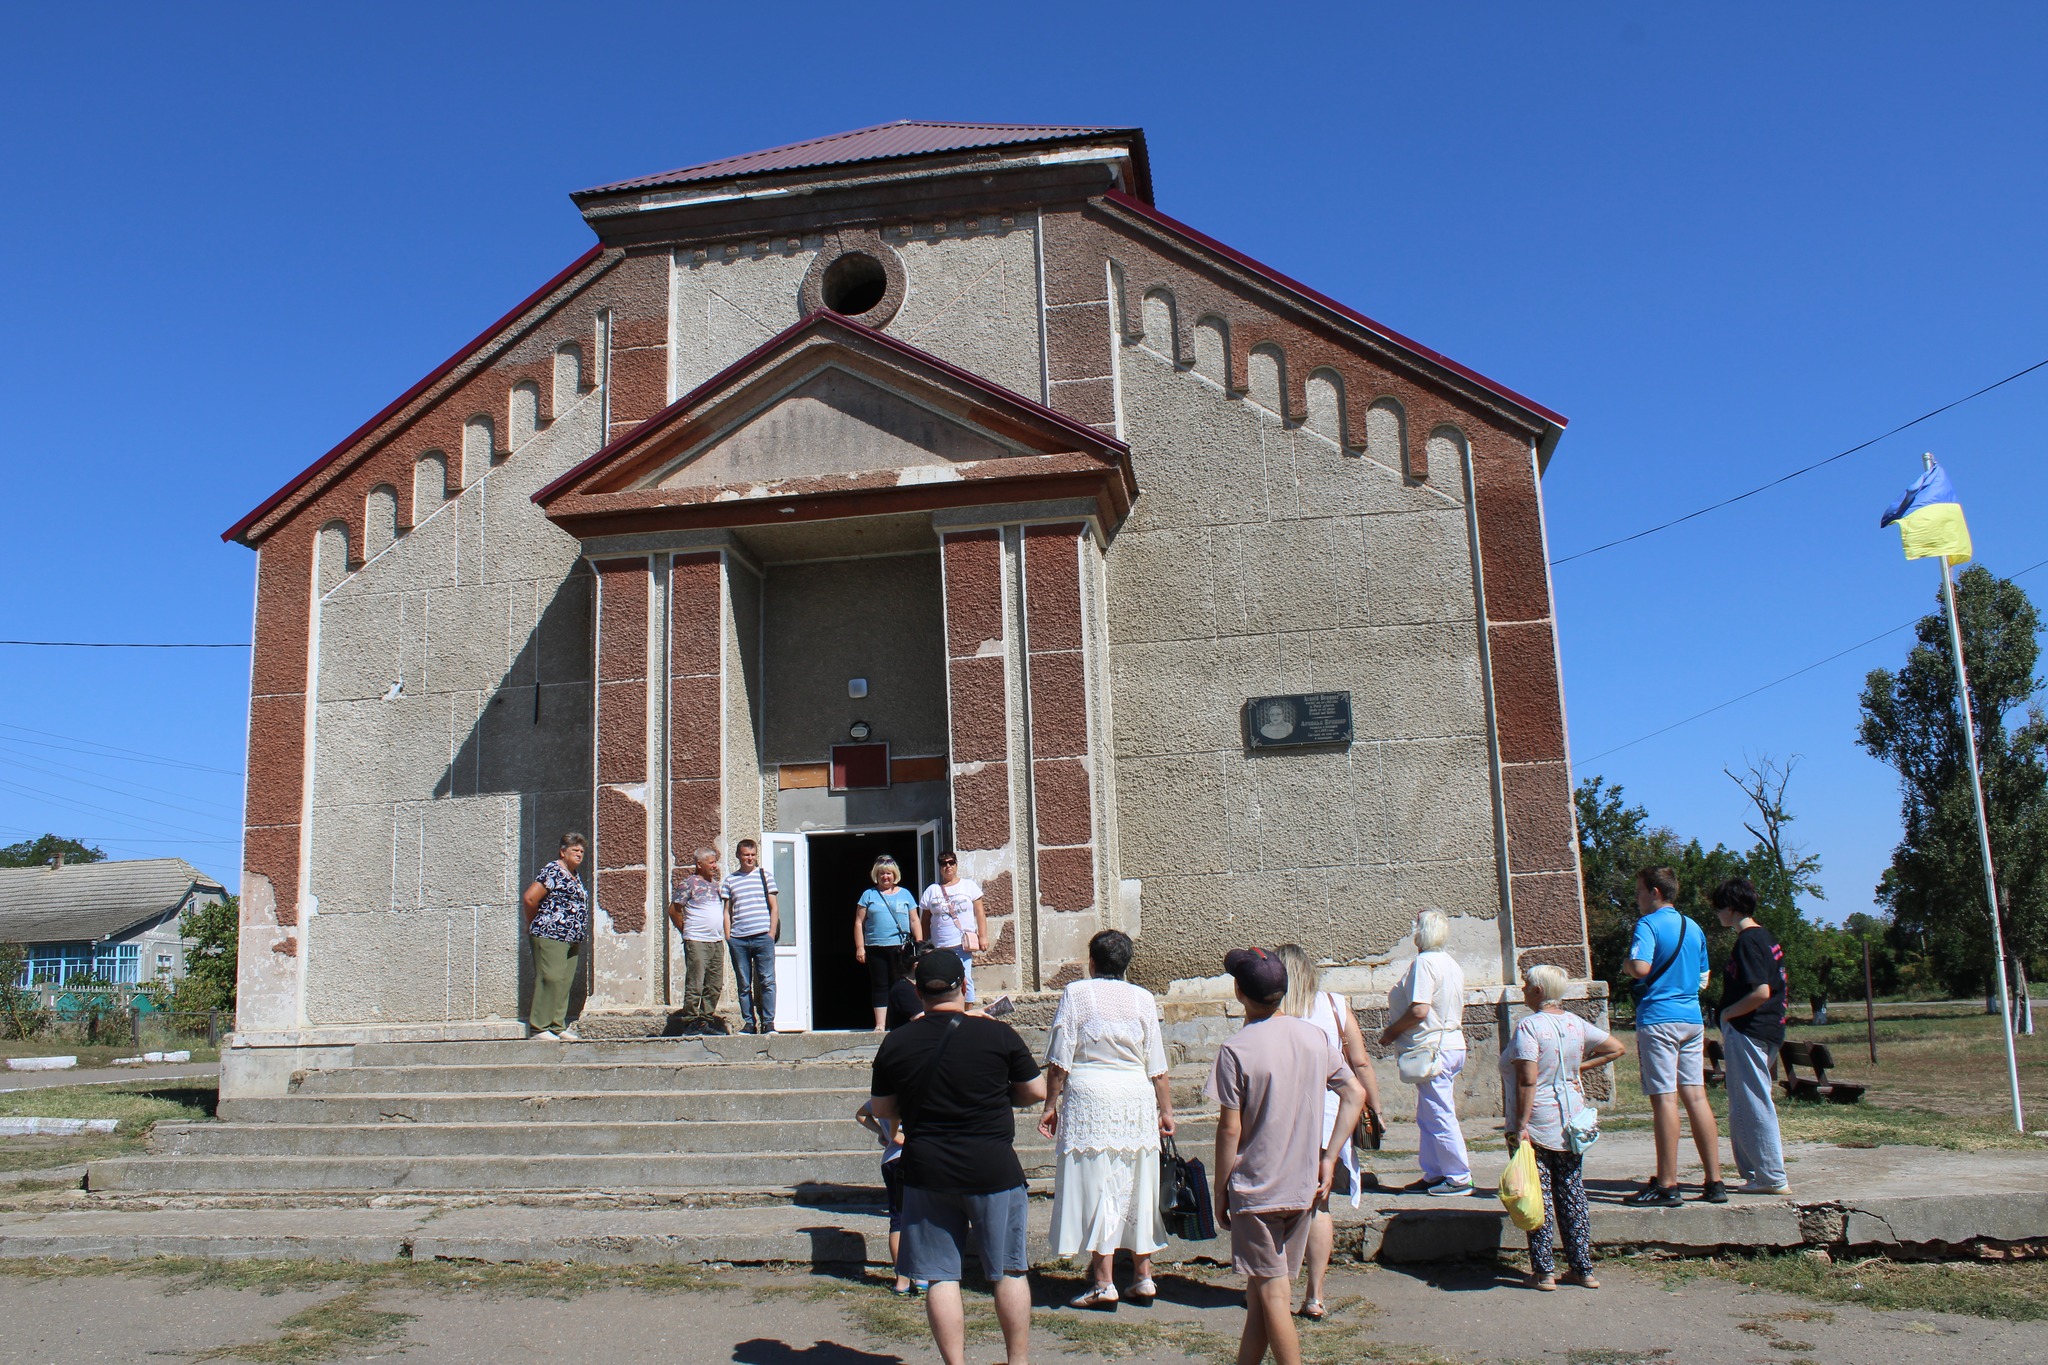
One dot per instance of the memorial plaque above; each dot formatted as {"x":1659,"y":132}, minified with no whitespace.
{"x":1304,"y":720}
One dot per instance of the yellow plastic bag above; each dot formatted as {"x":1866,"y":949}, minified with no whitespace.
{"x":1521,"y":1189}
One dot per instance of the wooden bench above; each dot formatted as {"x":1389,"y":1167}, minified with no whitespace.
{"x":1717,"y":1063}
{"x":1816,"y":1058}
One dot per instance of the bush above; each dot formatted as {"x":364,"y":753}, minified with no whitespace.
{"x":21,"y":1016}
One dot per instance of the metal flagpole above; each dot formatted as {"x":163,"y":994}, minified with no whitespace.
{"x":1955,"y":635}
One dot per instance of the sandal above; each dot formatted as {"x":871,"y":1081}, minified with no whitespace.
{"x":1097,"y":1296}
{"x":1546,"y":1283}
{"x":1313,"y":1310}
{"x":1582,"y":1278}
{"x":1142,"y":1289}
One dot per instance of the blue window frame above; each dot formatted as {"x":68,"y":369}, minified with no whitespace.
{"x":53,"y":964}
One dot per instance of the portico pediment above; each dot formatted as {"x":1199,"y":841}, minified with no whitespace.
{"x":832,"y":419}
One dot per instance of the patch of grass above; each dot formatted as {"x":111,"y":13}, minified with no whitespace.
{"x":40,"y":1154}
{"x":322,"y":1332}
{"x":137,"y":1106}
{"x":1603,"y":1355}
{"x":2014,"y":1291}
{"x":550,"y":1280}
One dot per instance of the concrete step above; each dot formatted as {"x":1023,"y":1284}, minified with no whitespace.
{"x":599,"y":1106}
{"x":728,"y":1173}
{"x":796,"y":1141}
{"x":565,"y":1078}
{"x":856,"y":1046}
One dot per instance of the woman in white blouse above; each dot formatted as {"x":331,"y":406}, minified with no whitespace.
{"x":1107,"y":1103}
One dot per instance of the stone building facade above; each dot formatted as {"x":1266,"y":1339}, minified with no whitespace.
{"x":923,"y":485}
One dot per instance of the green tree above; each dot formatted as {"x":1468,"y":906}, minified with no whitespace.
{"x":212,"y":931}
{"x":21,"y":1013}
{"x":1615,"y":841}
{"x":1934,"y":886}
{"x":37,"y":852}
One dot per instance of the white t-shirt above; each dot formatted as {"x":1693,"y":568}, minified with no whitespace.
{"x":1438,"y":981}
{"x":703,"y":908}
{"x":949,"y":911}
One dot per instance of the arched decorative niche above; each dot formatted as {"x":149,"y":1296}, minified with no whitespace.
{"x":1325,"y":397}
{"x":380,"y":520}
{"x":479,"y":446}
{"x":1159,"y":323}
{"x":1445,"y":449}
{"x":568,"y":378}
{"x":1386,"y":434}
{"x":330,"y":556}
{"x":1266,"y":378}
{"x":1212,"y":350}
{"x":522,"y":415}
{"x":429,"y":485}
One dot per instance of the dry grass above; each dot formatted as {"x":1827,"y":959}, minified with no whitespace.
{"x":2009,"y":1291}
{"x":322,"y":1332}
{"x":1939,"y":1082}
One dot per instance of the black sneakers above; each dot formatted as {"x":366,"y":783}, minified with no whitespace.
{"x":1713,"y":1192}
{"x":1655,"y":1196}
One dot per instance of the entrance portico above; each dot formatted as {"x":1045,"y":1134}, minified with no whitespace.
{"x":846,"y":586}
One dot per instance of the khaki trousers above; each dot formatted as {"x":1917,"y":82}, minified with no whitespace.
{"x":703,"y":978}
{"x":554,"y":972}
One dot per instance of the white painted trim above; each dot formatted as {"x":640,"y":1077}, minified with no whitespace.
{"x":1044,"y":351}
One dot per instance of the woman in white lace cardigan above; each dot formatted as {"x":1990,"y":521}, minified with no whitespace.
{"x":1107,"y":1103}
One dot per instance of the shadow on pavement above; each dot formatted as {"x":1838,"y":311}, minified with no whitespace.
{"x":764,"y":1351}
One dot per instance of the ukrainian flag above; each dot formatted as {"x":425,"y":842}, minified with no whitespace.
{"x":1931,"y":520}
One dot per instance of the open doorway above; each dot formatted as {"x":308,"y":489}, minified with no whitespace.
{"x":840,"y":864}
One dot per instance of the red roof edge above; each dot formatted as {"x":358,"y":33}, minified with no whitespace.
{"x":1266,"y":272}
{"x":270,"y":503}
{"x":825,"y":317}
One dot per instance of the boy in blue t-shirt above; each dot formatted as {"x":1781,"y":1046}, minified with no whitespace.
{"x":1668,"y":958}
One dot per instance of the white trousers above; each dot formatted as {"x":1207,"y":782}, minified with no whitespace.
{"x":1443,"y":1154}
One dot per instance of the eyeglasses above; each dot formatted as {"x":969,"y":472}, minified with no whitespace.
{"x":948,"y":862}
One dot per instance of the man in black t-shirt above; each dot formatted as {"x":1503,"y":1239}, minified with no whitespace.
{"x":953,"y":1081}
{"x":1752,"y":1027}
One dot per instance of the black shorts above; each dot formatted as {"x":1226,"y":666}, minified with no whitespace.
{"x":892,"y":1181}
{"x":885,"y":966}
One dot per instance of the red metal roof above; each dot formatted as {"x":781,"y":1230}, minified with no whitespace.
{"x":905,"y":137}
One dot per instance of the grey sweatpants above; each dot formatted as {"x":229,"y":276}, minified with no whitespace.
{"x":1752,"y":1117}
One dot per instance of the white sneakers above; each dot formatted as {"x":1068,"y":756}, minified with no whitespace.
{"x":1757,"y":1186}
{"x":545,"y":1035}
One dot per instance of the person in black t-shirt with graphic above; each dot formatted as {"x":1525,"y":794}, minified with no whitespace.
{"x":1752,"y":1027}
{"x":952,"y":1080}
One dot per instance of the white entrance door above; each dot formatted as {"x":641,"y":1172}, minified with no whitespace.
{"x":927,"y":857}
{"x":789,"y":864}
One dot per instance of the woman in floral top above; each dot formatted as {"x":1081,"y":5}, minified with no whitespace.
{"x":558,"y":918}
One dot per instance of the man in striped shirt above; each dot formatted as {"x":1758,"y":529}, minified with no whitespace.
{"x":756,"y":922}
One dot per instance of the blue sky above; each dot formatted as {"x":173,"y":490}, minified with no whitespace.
{"x":1725,"y":241}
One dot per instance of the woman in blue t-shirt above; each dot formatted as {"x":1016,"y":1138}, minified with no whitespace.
{"x":884,"y":928}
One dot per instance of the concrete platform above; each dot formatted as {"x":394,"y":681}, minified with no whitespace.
{"x":1846,"y":1201}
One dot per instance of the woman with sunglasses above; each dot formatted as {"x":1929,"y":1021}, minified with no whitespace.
{"x":953,"y":915}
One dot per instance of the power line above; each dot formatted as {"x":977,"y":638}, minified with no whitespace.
{"x":1806,"y":469}
{"x":118,"y":790}
{"x":116,"y":644}
{"x":99,"y":750}
{"x":1883,"y":634}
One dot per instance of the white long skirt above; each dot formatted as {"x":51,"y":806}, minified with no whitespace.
{"x":1106,"y":1182}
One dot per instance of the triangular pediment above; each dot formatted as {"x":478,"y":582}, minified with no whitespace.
{"x":833,"y":419}
{"x":833,"y":422}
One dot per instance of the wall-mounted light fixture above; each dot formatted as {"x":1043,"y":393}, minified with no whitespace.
{"x":856,"y":688}
{"x":859,"y":730}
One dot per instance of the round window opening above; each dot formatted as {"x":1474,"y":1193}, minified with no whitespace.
{"x":854,"y":284}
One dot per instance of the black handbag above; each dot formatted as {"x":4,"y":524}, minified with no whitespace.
{"x":1184,"y":1201}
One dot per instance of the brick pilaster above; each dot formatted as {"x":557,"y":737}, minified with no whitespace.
{"x":1063,"y":795}
{"x":978,"y":649}
{"x":619,"y":932}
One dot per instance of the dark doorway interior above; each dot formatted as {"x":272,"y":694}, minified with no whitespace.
{"x":839,"y":873}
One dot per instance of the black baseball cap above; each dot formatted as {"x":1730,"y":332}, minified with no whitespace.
{"x":1262,"y":975}
{"x":939,"y":972}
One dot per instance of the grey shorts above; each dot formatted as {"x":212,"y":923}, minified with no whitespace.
{"x":935,"y":1228}
{"x":1671,"y":1055}
{"x":1270,"y":1245}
